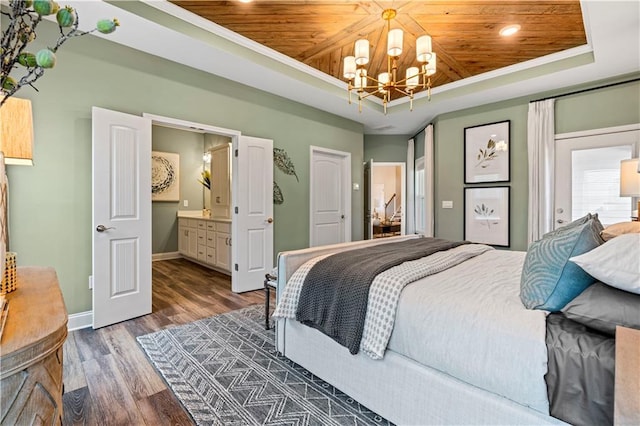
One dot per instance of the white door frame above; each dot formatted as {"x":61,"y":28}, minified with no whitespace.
{"x":346,"y":190}
{"x":403,"y":186}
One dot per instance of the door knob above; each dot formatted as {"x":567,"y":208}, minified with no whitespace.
{"x":341,"y":216}
{"x":560,"y":221}
{"x":270,"y":220}
{"x":102,"y":228}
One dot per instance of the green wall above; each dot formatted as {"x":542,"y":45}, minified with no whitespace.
{"x":386,"y":148}
{"x":608,"y":107}
{"x":164,"y":221}
{"x":50,"y":203}
{"x":601,"y":108}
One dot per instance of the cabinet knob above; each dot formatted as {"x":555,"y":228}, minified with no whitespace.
{"x":270,"y":220}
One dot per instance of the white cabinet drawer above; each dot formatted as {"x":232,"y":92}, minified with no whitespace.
{"x":192,"y":223}
{"x":223,"y":227}
{"x":211,"y":256}
{"x":211,"y":239}
{"x":202,"y":237}
{"x":202,"y":252}
{"x":211,"y":226}
{"x":201,"y":224}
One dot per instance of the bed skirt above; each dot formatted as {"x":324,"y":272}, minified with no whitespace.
{"x":398,"y":388}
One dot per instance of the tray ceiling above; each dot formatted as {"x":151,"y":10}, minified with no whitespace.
{"x":465,"y":36}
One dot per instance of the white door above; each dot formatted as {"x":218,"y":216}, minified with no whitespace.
{"x":330,"y":197}
{"x":121,"y":216}
{"x":368,"y":205}
{"x":587,"y":174}
{"x":253,"y":213}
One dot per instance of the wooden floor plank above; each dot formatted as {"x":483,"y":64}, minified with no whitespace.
{"x":77,"y":408}
{"x":90,"y":344}
{"x":113,"y":403}
{"x":120,"y":385}
{"x":72,"y":373}
{"x":163,"y":408}
{"x":141,"y":378}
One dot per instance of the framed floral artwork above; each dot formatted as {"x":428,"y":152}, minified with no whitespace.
{"x":165,"y":176}
{"x":487,"y":153}
{"x":486,"y":215}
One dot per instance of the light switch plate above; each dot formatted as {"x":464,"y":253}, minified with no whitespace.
{"x":447,"y":204}
{"x":185,"y":203}
{"x":356,"y":187}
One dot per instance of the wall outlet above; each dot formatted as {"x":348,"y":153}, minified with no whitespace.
{"x":356,"y":187}
{"x":447,"y":204}
{"x":185,"y":203}
{"x":90,"y":282}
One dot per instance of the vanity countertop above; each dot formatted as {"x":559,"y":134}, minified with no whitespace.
{"x":197,"y":214}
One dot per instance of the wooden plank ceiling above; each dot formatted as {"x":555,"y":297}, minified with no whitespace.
{"x":465,"y":35}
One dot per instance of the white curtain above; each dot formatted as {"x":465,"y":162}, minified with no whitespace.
{"x":541,"y":150}
{"x":428,"y":182}
{"x":409,"y":215}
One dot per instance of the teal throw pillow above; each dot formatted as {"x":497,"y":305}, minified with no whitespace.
{"x":549,"y":281}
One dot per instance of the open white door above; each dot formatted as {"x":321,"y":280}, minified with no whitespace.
{"x":121,"y":216}
{"x":368,"y":204}
{"x":253,"y":213}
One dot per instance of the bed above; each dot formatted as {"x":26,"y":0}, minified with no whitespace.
{"x":458,"y":353}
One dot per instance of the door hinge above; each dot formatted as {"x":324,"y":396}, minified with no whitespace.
{"x":236,"y":209}
{"x":236,"y":267}
{"x":236,"y":153}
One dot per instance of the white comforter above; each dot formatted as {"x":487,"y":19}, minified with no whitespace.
{"x":384,"y":292}
{"x":469,"y":322}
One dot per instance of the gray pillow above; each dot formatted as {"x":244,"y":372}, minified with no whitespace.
{"x":601,"y":308}
{"x":581,"y":221}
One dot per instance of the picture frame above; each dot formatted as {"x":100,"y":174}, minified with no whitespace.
{"x":487,"y":153}
{"x":487,"y":215}
{"x":165,"y":176}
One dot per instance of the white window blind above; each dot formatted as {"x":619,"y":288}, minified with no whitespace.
{"x":595,"y":184}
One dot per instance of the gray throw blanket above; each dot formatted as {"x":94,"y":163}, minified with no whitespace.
{"x":336,"y":290}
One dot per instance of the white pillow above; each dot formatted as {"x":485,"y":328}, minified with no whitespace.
{"x":616,"y":262}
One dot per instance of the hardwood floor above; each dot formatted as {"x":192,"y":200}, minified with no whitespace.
{"x":108,"y":379}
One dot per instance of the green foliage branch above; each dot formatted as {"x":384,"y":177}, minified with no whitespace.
{"x":23,"y":17}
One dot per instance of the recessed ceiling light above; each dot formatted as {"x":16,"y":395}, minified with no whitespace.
{"x":245,"y":1}
{"x":509,"y":30}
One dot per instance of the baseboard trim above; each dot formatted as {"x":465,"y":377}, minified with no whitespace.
{"x":165,"y":256}
{"x":80,"y":320}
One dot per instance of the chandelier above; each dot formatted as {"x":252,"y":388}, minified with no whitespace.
{"x":387,"y":82}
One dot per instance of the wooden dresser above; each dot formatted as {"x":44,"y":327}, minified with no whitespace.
{"x":627,"y":385}
{"x":31,"y":350}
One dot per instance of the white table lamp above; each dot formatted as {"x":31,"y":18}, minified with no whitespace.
{"x":630,"y":180}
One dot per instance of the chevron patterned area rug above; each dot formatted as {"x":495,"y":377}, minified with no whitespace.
{"x":225,"y":371}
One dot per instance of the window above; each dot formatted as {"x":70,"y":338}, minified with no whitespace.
{"x":419,"y":195}
{"x":587,"y":174}
{"x":595,"y":183}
